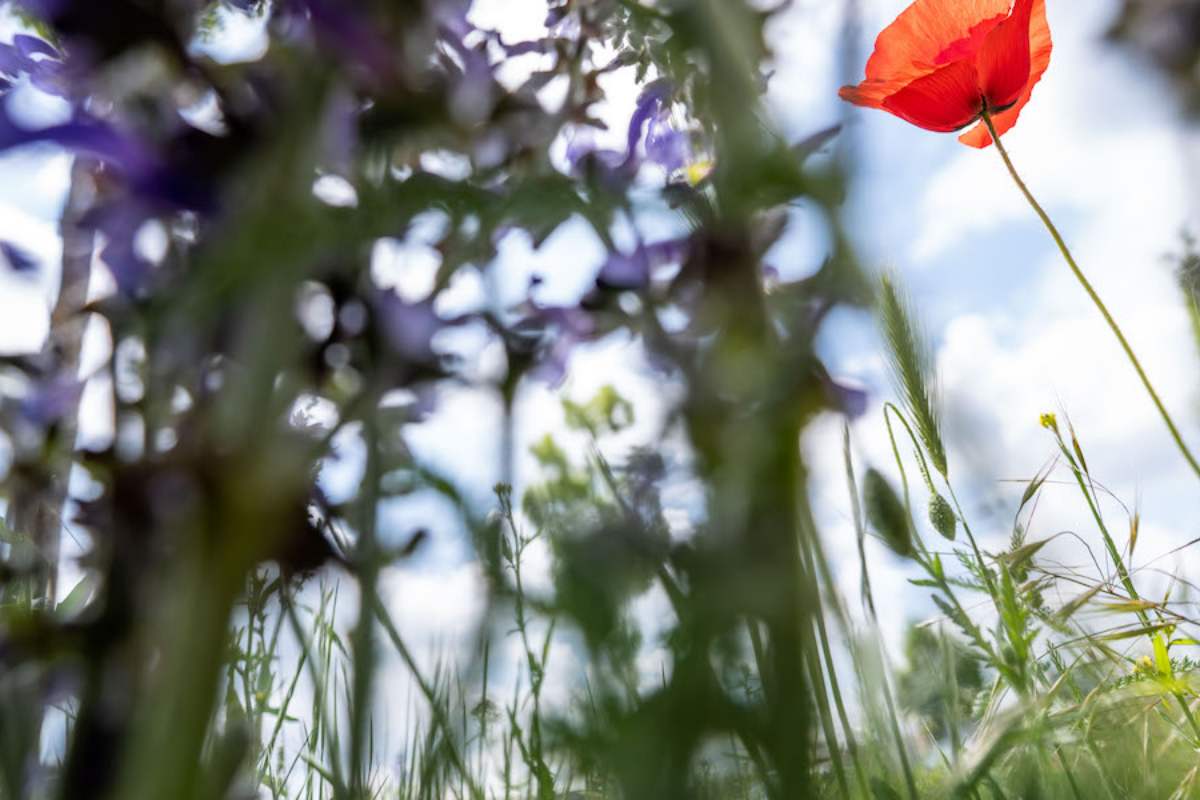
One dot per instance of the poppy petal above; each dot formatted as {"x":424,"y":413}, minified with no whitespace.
{"x":927,"y":35}
{"x":933,"y":33}
{"x":1004,"y":59}
{"x":943,"y":101}
{"x":1041,"y":45}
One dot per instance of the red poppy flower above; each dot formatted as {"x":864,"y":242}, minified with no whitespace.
{"x":942,"y":63}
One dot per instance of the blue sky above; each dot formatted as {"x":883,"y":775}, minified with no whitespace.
{"x":1101,"y":145}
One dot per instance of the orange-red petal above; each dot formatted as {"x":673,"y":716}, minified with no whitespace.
{"x":927,"y":35}
{"x":928,"y":32}
{"x":944,"y":100}
{"x":1003,"y":60}
{"x":1041,"y":45}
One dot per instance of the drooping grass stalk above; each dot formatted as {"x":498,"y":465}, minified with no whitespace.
{"x":1091,"y":292}
{"x":911,"y":363}
{"x":891,"y":410}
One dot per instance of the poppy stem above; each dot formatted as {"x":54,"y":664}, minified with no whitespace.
{"x":1087,"y":287}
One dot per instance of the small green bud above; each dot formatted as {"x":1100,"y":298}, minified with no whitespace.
{"x":887,"y":514}
{"x":941,"y":516}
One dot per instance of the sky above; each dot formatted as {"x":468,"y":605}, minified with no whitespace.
{"x":1102,"y":146}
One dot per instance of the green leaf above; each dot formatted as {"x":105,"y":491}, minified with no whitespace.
{"x":1068,"y":611}
{"x":77,"y":599}
{"x":1161,"y":660}
{"x":1023,"y":554}
{"x":1147,"y":630}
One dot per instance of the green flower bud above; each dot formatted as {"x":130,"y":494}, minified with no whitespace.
{"x":941,"y":516}
{"x":887,"y":514}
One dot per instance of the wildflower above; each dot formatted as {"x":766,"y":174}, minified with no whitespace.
{"x":18,"y":259}
{"x":1049,"y":422}
{"x":652,"y":137}
{"x":944,"y":64}
{"x":634,"y":270}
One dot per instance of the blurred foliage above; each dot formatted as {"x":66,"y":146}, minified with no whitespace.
{"x":1167,"y":33}
{"x":189,"y":609}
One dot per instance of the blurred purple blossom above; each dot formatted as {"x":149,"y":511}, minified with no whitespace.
{"x":18,"y":260}
{"x":474,"y":91}
{"x":343,"y":29}
{"x":666,"y":145}
{"x":84,"y":135}
{"x":409,"y":327}
{"x":119,"y":222}
{"x":650,"y":133}
{"x":651,"y":103}
{"x":634,"y":270}
{"x":51,"y":399}
{"x":553,"y":332}
{"x":849,"y":400}
{"x":29,"y":55}
{"x":151,"y":184}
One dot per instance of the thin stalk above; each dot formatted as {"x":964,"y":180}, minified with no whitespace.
{"x":1091,"y":292}
{"x":808,"y":528}
{"x":817,"y":679}
{"x":812,"y":555}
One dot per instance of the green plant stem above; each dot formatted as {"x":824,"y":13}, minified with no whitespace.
{"x":1091,"y":292}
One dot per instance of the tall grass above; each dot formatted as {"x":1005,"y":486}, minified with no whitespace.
{"x":232,"y":634}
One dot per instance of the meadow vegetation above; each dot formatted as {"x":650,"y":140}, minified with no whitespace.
{"x":190,"y":609}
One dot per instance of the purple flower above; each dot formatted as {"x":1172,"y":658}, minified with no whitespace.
{"x":340,"y":27}
{"x":51,"y":399}
{"x":29,"y":55}
{"x":552,"y":332}
{"x":474,"y":91}
{"x":650,"y":104}
{"x":667,"y":146}
{"x":409,"y":328}
{"x":18,"y":260}
{"x":634,"y":270}
{"x":85,"y":135}
{"x":120,"y":222}
{"x":650,"y":130}
{"x":849,"y":400}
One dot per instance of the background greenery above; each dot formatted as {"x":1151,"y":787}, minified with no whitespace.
{"x":201,"y":617}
